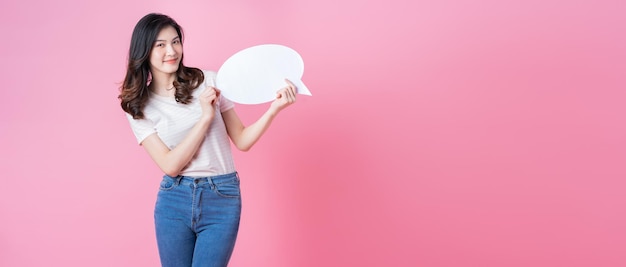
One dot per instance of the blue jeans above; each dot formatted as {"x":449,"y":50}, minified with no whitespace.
{"x":197,"y":219}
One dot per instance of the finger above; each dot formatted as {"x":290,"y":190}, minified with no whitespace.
{"x":213,"y":99}
{"x":290,"y":83}
{"x":286,"y":94}
{"x":207,"y":92}
{"x":208,"y":96}
{"x":205,"y":95}
{"x":280,"y":93}
{"x":291,"y":94}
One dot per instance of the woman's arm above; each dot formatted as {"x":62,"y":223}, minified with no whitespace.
{"x":172,"y":161}
{"x":245,"y":137}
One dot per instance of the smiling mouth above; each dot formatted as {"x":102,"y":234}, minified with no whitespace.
{"x":171,"y":61}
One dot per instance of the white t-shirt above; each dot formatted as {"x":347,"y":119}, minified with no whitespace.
{"x":171,"y":121}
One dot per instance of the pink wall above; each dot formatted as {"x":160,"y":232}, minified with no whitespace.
{"x":440,"y":133}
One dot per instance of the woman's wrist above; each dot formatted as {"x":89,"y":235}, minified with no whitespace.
{"x":273,"y":111}
{"x":206,"y":118}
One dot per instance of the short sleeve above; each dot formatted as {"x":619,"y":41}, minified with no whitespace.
{"x":141,"y":128}
{"x":225,"y":104}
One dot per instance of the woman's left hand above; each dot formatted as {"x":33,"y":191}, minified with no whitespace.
{"x":284,"y":97}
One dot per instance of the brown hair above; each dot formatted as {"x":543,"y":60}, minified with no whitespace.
{"x":134,"y":90}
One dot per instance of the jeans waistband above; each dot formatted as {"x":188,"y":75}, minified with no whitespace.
{"x":216,"y":179}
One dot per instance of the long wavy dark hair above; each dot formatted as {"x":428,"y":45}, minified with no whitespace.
{"x":134,"y":90}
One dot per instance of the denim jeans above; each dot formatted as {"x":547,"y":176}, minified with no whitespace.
{"x":197,"y":219}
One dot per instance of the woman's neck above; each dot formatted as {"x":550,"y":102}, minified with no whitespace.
{"x":163,"y":84}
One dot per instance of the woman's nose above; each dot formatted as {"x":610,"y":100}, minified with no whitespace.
{"x":170,"y":50}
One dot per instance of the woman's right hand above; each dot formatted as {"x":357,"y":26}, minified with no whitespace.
{"x":208,"y":102}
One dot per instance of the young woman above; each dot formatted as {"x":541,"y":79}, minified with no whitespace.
{"x":185,"y":125}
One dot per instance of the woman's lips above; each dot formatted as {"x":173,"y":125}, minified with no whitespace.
{"x":171,"y":61}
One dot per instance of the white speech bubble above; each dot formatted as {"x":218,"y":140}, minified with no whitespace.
{"x":255,"y":74}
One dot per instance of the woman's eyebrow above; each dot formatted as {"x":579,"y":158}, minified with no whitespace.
{"x":159,"y":40}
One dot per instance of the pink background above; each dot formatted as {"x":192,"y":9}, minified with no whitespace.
{"x":439,"y":133}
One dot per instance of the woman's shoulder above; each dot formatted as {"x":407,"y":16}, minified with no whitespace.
{"x":209,"y":77}
{"x":209,"y":73}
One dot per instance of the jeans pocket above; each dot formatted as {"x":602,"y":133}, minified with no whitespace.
{"x":229,"y":189}
{"x":167,"y":183}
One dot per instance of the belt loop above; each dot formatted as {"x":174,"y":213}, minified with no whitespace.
{"x":177,"y":180}
{"x":210,"y":182}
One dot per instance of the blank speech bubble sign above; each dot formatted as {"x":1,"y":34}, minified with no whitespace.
{"x":255,"y":74}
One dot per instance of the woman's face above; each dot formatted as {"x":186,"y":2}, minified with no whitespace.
{"x":167,"y":52}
